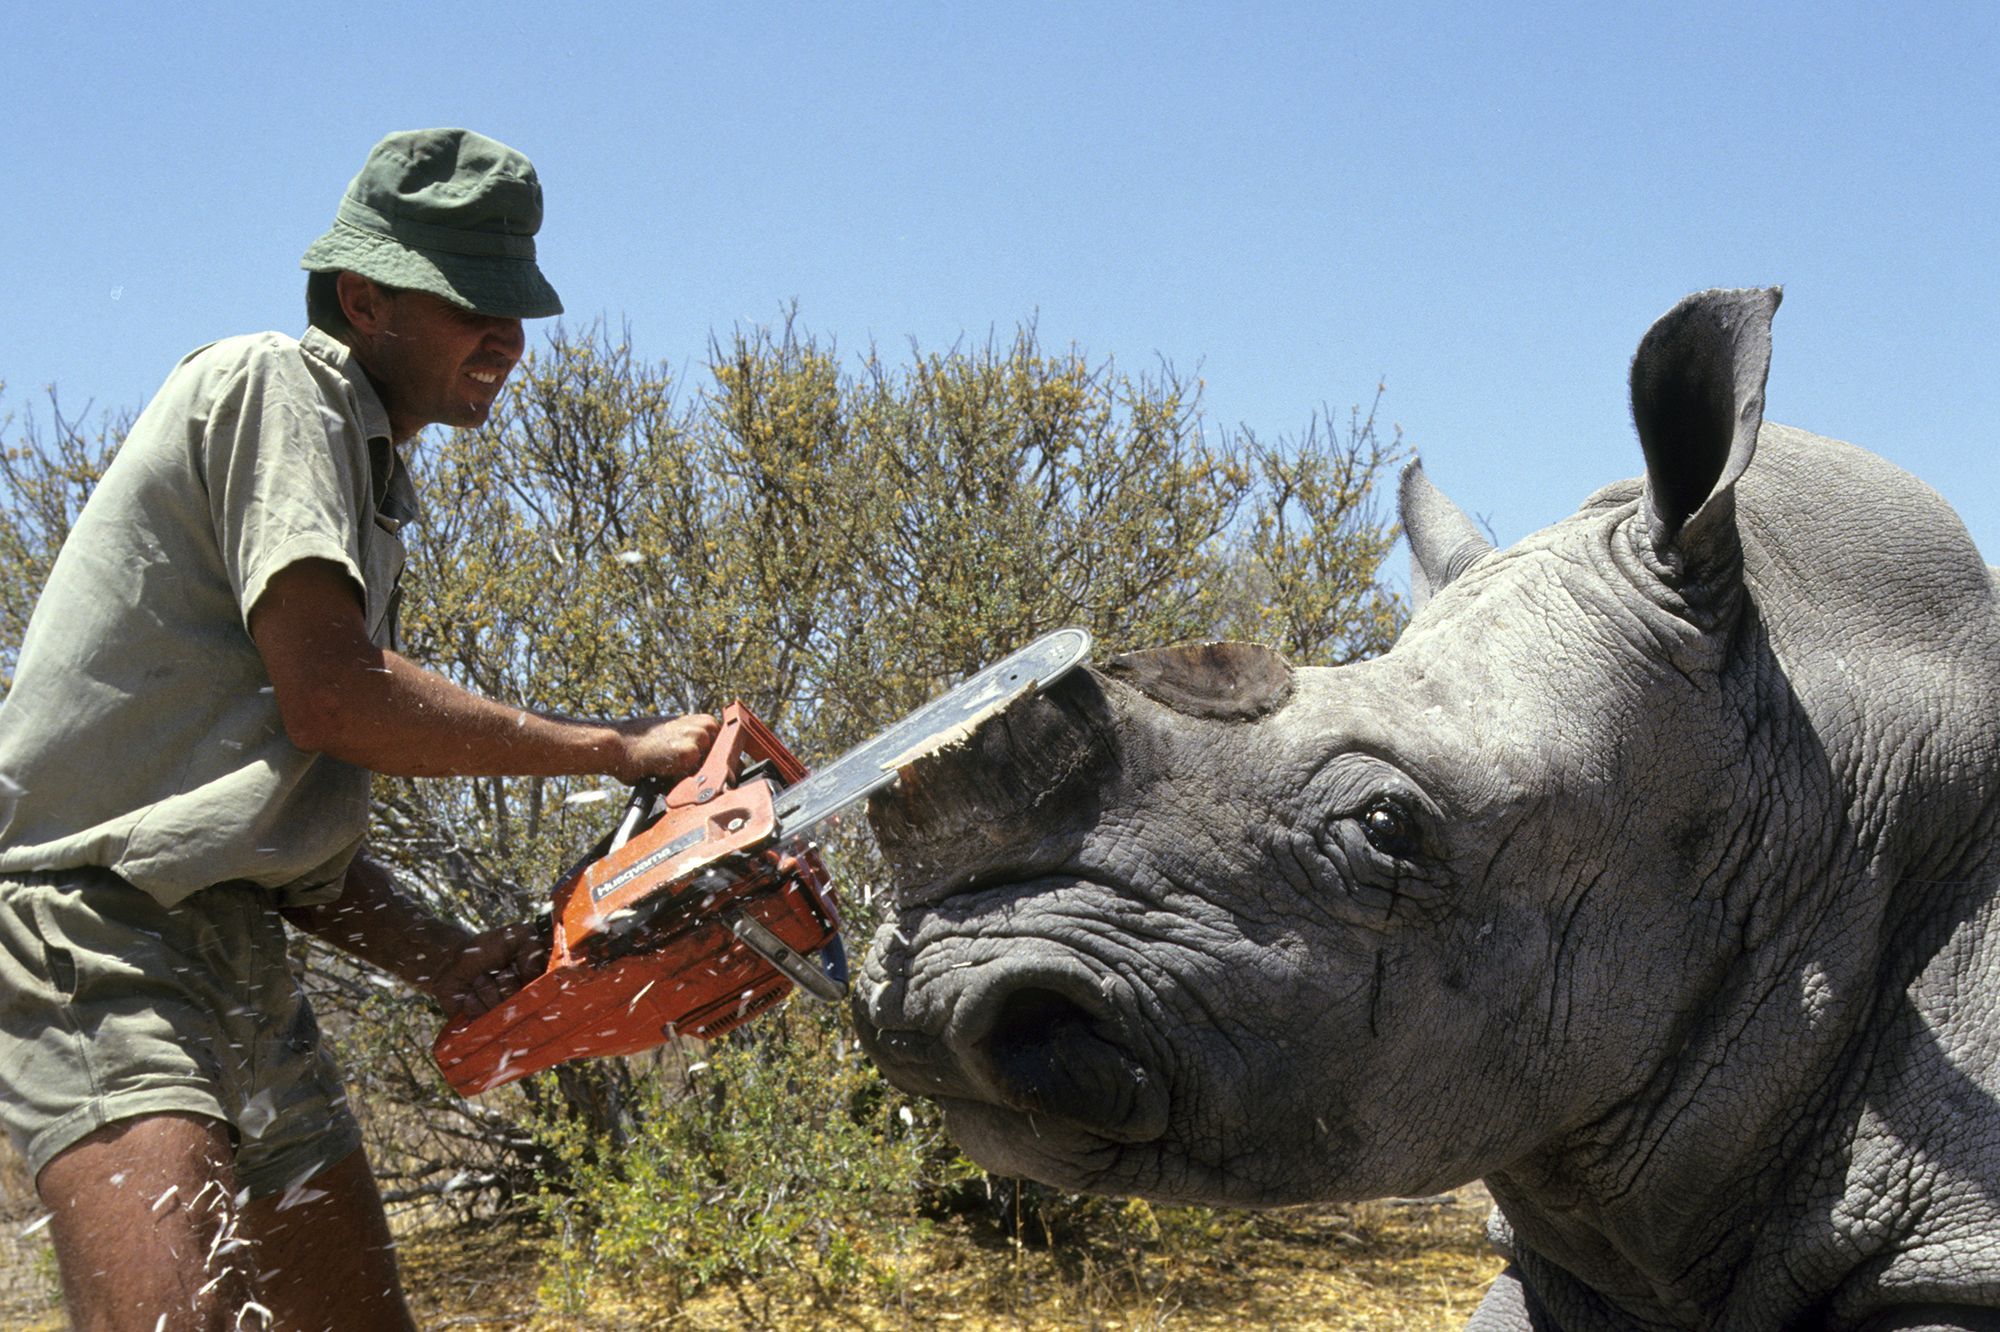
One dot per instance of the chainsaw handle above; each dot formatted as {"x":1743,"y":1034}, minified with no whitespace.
{"x":717,"y":772}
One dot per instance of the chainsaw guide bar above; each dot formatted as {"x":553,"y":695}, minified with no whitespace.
{"x":706,"y":906}
{"x":873,"y":764}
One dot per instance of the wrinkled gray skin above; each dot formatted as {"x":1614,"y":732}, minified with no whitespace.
{"x":1650,"y":878}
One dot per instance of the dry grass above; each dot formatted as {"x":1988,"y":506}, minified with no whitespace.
{"x":1387,"y":1267}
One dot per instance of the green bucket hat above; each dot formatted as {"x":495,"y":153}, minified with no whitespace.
{"x":448,"y":212}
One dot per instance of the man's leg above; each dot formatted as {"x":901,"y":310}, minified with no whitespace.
{"x":324,"y":1257}
{"x":143,"y":1216}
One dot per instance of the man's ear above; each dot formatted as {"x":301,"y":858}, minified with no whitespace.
{"x":365,"y":302}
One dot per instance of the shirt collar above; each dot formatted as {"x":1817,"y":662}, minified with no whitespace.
{"x":318,"y":343}
{"x":395,"y":497}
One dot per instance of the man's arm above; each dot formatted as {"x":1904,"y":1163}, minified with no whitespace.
{"x":340,"y":694}
{"x":466,"y":973}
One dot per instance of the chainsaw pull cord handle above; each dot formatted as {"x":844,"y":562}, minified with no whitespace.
{"x":643,"y":795}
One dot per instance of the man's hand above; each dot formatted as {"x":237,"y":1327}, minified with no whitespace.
{"x":493,"y":965}
{"x":466,"y":973}
{"x":665,"y":747}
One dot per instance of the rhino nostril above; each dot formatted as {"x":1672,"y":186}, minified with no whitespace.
{"x":1026,"y":1020}
{"x":1047,"y":1055}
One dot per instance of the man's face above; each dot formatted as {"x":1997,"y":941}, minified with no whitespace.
{"x":433,"y":362}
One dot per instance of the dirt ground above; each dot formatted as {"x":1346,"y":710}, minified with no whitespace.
{"x":1387,"y":1267}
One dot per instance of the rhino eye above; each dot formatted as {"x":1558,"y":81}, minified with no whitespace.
{"x":1389,"y":829}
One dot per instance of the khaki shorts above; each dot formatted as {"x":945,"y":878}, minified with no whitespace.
{"x":114,"y":1007}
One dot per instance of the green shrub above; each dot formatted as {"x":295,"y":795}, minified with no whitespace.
{"x":779,"y":1148}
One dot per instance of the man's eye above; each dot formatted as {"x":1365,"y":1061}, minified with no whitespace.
{"x":1389,"y":830}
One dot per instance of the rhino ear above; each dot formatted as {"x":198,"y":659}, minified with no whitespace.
{"x":1221,"y":681}
{"x":1698,"y":400}
{"x":1443,"y":541}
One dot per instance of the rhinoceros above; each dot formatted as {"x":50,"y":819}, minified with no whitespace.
{"x":1650,"y":878}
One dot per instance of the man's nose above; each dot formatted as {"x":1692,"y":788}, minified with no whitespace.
{"x":507,"y":336}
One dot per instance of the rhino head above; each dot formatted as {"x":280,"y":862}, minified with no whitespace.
{"x":1646,"y":877}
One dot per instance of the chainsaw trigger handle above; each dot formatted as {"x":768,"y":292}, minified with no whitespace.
{"x":718,"y":770}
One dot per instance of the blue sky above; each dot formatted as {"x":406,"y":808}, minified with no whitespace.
{"x":1482,"y":206}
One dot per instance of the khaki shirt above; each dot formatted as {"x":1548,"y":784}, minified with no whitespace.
{"x":141,"y":732}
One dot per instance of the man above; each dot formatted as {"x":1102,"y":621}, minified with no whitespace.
{"x":206,"y":684}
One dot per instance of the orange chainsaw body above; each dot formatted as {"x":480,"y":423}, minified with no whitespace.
{"x":646,"y":942}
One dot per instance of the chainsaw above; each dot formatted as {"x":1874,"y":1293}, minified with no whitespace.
{"x":708,"y":902}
